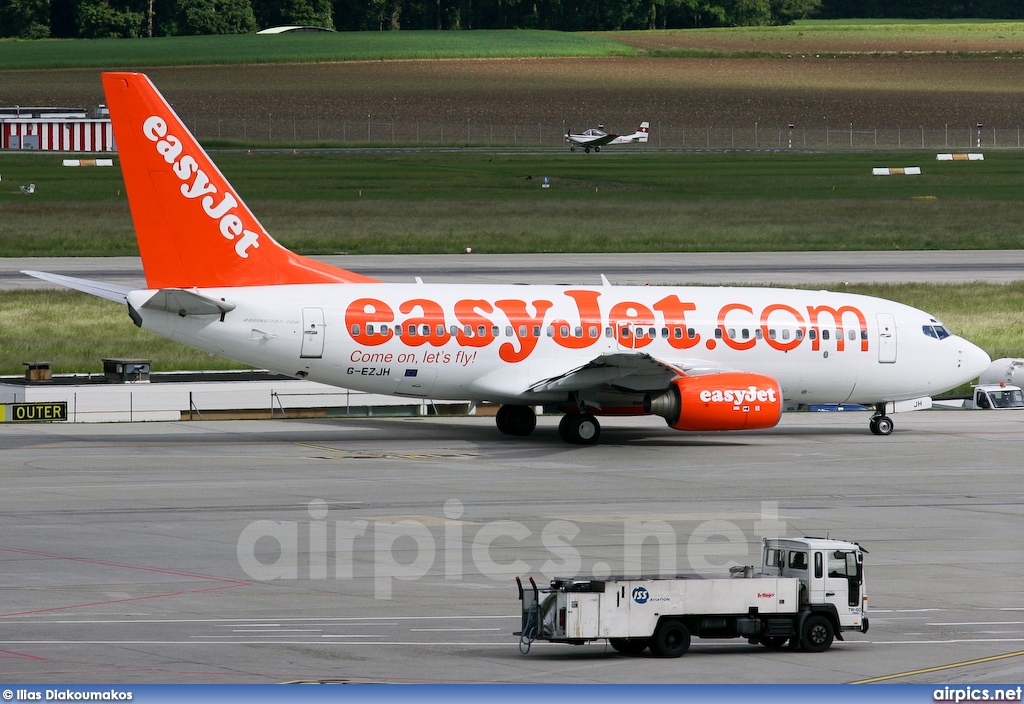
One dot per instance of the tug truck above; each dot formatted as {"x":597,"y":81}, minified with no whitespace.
{"x":807,"y":593}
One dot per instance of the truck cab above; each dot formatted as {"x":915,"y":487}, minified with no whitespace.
{"x":997,"y":397}
{"x":830,"y":572}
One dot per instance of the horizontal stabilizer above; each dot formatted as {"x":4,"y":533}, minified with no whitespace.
{"x":183,"y":302}
{"x":112,"y":292}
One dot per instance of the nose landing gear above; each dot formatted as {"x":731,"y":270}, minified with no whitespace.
{"x":880,"y":424}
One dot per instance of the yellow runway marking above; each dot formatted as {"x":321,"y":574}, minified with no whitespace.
{"x":926,"y":670}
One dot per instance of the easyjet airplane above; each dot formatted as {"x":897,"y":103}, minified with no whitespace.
{"x":702,"y":358}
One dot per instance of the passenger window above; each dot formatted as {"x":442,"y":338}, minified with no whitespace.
{"x":639,"y":333}
{"x":652,"y":332}
{"x":608,"y":332}
{"x":454,"y":330}
{"x":593,"y":331}
{"x":508,"y":331}
{"x":565,"y":331}
{"x":481,"y":331}
{"x":745,"y":334}
{"x":665,"y":333}
{"x":551,"y":330}
{"x":678,"y":333}
{"x":579,"y":332}
{"x":718,"y":333}
{"x":522,"y":331}
{"x":412,"y":331}
{"x":536,"y":330}
{"x":369,"y":329}
{"x":495,"y":331}
{"x":824,"y":335}
{"x":355,"y":329}
{"x":440,"y":330}
{"x":425,"y":330}
{"x":758,"y":334}
{"x":691,"y":333}
{"x":785,"y":334}
{"x":398,"y":330}
{"x":771,"y":334}
{"x":813,"y":334}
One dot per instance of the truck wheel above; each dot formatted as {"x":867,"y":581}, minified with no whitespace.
{"x":817,"y":634}
{"x":629,"y":646}
{"x":774,"y":642}
{"x":671,"y":640}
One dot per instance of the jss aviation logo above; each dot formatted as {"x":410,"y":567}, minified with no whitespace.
{"x":641,"y":595}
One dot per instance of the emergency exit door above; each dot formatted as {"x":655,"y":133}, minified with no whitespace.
{"x":312,"y":333}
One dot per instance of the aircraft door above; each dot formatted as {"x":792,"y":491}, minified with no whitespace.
{"x":886,"y":338}
{"x":312,"y":333}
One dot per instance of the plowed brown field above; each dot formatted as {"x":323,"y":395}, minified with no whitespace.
{"x":868,"y":91}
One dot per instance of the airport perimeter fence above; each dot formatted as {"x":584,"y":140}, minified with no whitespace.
{"x":279,"y":129}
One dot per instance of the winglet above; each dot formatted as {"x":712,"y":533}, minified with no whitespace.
{"x":193,"y":229}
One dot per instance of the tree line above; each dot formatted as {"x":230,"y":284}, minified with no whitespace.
{"x":36,"y":19}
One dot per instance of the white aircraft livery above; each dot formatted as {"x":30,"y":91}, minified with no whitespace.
{"x":704,"y":359}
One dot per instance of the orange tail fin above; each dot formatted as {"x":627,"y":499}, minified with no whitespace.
{"x":193,"y":229}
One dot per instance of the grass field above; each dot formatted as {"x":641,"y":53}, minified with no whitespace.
{"x":75,"y":331}
{"x":835,"y":37}
{"x":302,"y":47}
{"x":425,"y":202}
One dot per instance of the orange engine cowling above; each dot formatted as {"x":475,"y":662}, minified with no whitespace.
{"x":726,"y":401}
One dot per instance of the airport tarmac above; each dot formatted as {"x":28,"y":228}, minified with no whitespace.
{"x":672,"y":268}
{"x":384,"y":550}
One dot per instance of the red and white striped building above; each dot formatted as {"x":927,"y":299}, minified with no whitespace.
{"x":70,"y":134}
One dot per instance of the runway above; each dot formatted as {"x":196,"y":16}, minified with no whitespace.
{"x":761,"y":268}
{"x":385,"y":550}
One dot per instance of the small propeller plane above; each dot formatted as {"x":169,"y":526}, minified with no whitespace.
{"x":596,"y":137}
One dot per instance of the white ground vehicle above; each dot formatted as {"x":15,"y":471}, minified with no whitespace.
{"x":1000,"y":396}
{"x":809,"y":591}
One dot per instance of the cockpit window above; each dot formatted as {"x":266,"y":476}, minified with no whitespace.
{"x":939,"y":332}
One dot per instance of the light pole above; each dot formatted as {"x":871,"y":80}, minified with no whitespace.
{"x":791,"y":126}
{"x":979,"y":135}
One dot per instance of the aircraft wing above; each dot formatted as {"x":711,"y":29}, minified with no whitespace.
{"x":112,"y":292}
{"x":633,"y":371}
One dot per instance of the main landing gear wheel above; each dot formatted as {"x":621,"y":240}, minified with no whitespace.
{"x":579,"y":429}
{"x":881,"y":425}
{"x":586,"y":150}
{"x":597,"y":149}
{"x":516,"y":420}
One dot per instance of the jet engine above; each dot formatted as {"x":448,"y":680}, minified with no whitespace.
{"x":725,"y":401}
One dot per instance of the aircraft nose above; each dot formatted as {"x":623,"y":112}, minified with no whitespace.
{"x":973,"y":359}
